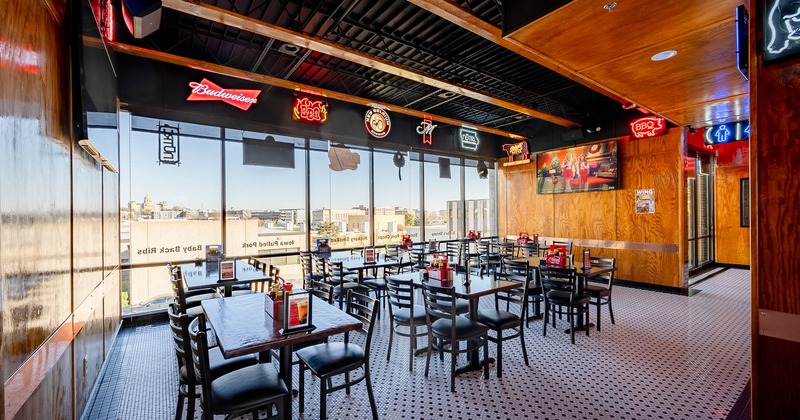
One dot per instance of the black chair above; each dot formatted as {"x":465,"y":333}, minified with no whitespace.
{"x":601,"y":294}
{"x":528,"y":250}
{"x":566,"y":244}
{"x":218,"y":365}
{"x":446,"y":327}
{"x":488,"y":257}
{"x":175,"y":271}
{"x":322,"y":290}
{"x":327,"y":360}
{"x":457,"y":255}
{"x":394,"y":253}
{"x":334,"y":272}
{"x":498,"y":320}
{"x":522,"y":272}
{"x":406,"y":315}
{"x":378,"y":285}
{"x":241,"y":391}
{"x":561,"y":296}
{"x":188,"y":305}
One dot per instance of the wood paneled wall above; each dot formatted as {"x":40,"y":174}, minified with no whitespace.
{"x":58,"y":306}
{"x":732,"y":240}
{"x":775,"y":226}
{"x":610,"y":215}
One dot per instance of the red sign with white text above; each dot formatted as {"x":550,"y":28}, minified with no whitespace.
{"x":208,"y":91}
{"x":648,"y":127}
{"x":310,"y":109}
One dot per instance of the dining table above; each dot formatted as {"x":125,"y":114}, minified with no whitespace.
{"x":478,"y":287}
{"x":204,"y":275}
{"x":242,"y":326}
{"x":359,"y":264}
{"x":584,"y":275}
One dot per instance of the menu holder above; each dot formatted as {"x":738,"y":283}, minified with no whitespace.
{"x":323,"y":249}
{"x":587,"y":261}
{"x":369,"y":256}
{"x":297,"y":313}
{"x":227,"y":270}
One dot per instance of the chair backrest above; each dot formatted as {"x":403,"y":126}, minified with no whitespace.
{"x":564,"y":279}
{"x":179,"y":327}
{"x":519,"y":295}
{"x":567,"y":244}
{"x":528,"y":250}
{"x":393,"y":252}
{"x":364,"y":309}
{"x":401,"y":293}
{"x":334,"y":271}
{"x":608,"y":278}
{"x":322,"y":290}
{"x":505,"y":249}
{"x":516,"y":269}
{"x":319,"y":268}
{"x":200,"y":364}
{"x":440,"y":303}
{"x":178,"y":292}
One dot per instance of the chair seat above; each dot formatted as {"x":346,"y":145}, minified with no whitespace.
{"x":374,"y":283}
{"x":354,"y":277}
{"x":404,"y":315}
{"x":195,"y":292}
{"x":249,"y":387}
{"x":465,"y":328}
{"x":196,"y":299}
{"x":219,"y":365}
{"x":561,"y":298}
{"x":194,"y":311}
{"x":596,"y":291}
{"x":326,"y":358}
{"x":498,"y":320}
{"x":351,"y":285}
{"x":462,"y":306}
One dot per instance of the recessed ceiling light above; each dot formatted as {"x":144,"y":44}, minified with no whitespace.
{"x":664,"y":55}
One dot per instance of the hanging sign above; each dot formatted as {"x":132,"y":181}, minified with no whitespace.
{"x":377,"y":122}
{"x":307,"y":109}
{"x":469,"y":138}
{"x":726,"y":133}
{"x":426,"y":129}
{"x":208,"y":91}
{"x":648,"y":127}
{"x":781,"y":28}
{"x":169,"y":150}
{"x":517,"y":153}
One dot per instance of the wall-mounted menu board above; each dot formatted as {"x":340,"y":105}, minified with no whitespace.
{"x":590,"y":167}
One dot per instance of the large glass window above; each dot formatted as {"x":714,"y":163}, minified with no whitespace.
{"x":396,"y":197}
{"x":340,"y":184}
{"x":443,"y":206}
{"x":479,"y":184}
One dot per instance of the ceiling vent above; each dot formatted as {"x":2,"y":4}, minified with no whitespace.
{"x":289,"y":49}
{"x":446,"y":94}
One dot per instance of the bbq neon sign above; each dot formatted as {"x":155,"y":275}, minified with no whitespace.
{"x":208,"y":91}
{"x":310,"y":110}
{"x":648,"y":127}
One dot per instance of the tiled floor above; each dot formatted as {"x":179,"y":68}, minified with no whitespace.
{"x":668,"y":356}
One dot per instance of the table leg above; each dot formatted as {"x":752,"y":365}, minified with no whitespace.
{"x":286,"y":376}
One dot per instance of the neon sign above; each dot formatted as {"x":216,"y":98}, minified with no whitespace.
{"x":208,"y":91}
{"x":781,"y":29}
{"x":310,"y":110}
{"x":377,"y":122}
{"x":469,"y":139}
{"x":169,"y":149}
{"x":426,"y":129}
{"x":648,"y":127}
{"x":517,"y":153}
{"x":726,"y":133}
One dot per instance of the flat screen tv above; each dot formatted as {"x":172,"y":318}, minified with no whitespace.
{"x":590,"y":167}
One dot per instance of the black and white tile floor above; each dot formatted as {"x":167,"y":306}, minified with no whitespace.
{"x":668,"y":356}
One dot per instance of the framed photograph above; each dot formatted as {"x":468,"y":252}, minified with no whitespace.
{"x":297,"y":312}
{"x":227,"y":270}
{"x":744,"y":202}
{"x":369,"y":256}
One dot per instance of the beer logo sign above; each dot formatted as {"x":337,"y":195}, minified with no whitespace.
{"x":377,"y":122}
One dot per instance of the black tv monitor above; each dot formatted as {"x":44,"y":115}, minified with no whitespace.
{"x":588,"y":167}
{"x":742,"y":41}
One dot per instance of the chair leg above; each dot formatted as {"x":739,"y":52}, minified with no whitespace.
{"x":598,"y":314}
{"x":370,"y":394}
{"x":572,"y":326}
{"x":413,"y":344}
{"x":428,"y":354}
{"x":190,"y":402}
{"x":179,"y":408}
{"x":301,"y":377}
{"x":611,"y":311}
{"x":546,"y":319}
{"x":586,"y":323}
{"x":486,"y":357}
{"x":499,"y":354}
{"x":391,"y":337}
{"x":323,"y":396}
{"x":347,"y":381}
{"x":522,"y":342}
{"x":453,"y":355}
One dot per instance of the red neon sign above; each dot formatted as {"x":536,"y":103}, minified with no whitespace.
{"x":208,"y":91}
{"x":648,"y":127}
{"x":426,"y":128}
{"x":310,"y":110}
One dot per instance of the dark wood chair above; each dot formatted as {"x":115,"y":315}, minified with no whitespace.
{"x":188,"y":305}
{"x":560,"y":290}
{"x":245,"y":390}
{"x":520,"y":271}
{"x":601,"y":293}
{"x":218,"y":365}
{"x":331,"y":359}
{"x":501,"y":320}
{"x":447,"y":329}
{"x":404,"y":313}
{"x":489,"y":258}
{"x":335,"y":275}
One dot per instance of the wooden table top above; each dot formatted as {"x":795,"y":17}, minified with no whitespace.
{"x":198,"y":277}
{"x":479,"y":286}
{"x":243,"y":326}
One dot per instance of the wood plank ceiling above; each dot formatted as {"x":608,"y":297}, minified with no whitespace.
{"x":699,"y":86}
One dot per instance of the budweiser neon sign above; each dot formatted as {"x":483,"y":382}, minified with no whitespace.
{"x":208,"y":91}
{"x":310,"y":110}
{"x":648,"y":127}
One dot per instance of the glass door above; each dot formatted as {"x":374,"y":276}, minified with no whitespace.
{"x":700,"y":215}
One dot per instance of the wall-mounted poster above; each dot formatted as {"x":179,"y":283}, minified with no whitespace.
{"x":645,"y":201}
{"x":592,"y":167}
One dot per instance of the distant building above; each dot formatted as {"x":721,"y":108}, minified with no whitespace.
{"x":477,"y":216}
{"x":334,"y":215}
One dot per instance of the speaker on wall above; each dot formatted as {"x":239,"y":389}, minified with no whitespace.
{"x":572,"y":135}
{"x":142,"y":17}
